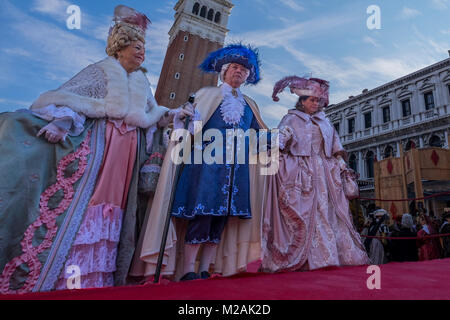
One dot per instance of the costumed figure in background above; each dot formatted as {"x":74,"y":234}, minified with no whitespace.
{"x":217,"y":206}
{"x":429,"y":248}
{"x":445,"y":229}
{"x":307,"y":224}
{"x":404,"y":249}
{"x":378,"y":228}
{"x":70,"y":180}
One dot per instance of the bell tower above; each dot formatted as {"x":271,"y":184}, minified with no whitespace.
{"x":200,"y":28}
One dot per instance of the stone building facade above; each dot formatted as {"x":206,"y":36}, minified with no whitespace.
{"x":410,"y":112}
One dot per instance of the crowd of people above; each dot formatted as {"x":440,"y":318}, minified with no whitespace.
{"x":407,"y":237}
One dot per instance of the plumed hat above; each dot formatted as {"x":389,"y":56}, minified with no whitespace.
{"x":235,"y":53}
{"x":131,"y":17}
{"x":311,"y":87}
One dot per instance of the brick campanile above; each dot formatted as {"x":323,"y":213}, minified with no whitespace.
{"x":200,"y":27}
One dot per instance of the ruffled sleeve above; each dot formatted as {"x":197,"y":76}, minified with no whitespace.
{"x":63,"y":117}
{"x":89,"y":82}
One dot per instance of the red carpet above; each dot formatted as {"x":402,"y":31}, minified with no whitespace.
{"x":428,"y":280}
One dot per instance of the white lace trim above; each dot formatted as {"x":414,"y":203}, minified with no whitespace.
{"x":53,"y":112}
{"x":232,"y":108}
{"x":90,"y":82}
{"x":126,"y":96}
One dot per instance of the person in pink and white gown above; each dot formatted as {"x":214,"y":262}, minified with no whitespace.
{"x":71,"y":193}
{"x":307,"y":224}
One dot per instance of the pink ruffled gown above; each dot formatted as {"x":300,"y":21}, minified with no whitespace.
{"x":307,"y":224}
{"x":95,"y":247}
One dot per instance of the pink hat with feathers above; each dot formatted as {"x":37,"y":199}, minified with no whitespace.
{"x":311,"y":87}
{"x":130,"y":16}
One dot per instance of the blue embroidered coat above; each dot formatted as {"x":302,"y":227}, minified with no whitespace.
{"x":217,"y":189}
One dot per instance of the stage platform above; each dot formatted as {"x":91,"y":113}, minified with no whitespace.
{"x":398,"y":281}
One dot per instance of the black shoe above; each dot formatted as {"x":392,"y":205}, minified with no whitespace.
{"x":189,"y":276}
{"x":204,"y":275}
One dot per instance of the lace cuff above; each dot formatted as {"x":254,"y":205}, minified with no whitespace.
{"x":63,"y":123}
{"x":285,"y":135}
{"x":61,"y":114}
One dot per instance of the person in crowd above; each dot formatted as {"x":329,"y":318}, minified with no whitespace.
{"x":445,"y":229}
{"x":405,"y":249}
{"x":378,"y":228}
{"x":429,"y":248}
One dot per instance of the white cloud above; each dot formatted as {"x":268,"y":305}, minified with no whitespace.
{"x":65,"y":52}
{"x":17,"y":52}
{"x":56,"y":48}
{"x":350,"y":75}
{"x":303,"y":30}
{"x":409,"y":13}
{"x":294,"y":5}
{"x":432,"y":48}
{"x":371,"y":41}
{"x":168,"y":8}
{"x":55,"y":8}
{"x":439,"y":4}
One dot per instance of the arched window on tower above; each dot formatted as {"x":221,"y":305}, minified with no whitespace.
{"x":196,"y":8}
{"x":369,"y":164}
{"x":203,"y":12}
{"x":218,"y":17}
{"x":352,"y":162}
{"x":435,"y":141}
{"x":210,"y":14}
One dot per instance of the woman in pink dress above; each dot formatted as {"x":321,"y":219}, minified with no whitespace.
{"x":307,"y":224}
{"x":79,"y":158}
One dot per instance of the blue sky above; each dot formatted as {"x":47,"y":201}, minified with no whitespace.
{"x":328,"y":39}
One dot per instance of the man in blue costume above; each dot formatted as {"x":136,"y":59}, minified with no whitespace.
{"x":220,"y":201}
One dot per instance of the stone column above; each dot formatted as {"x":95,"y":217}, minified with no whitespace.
{"x":361,"y":164}
{"x":399,"y":146}
{"x":446,"y":133}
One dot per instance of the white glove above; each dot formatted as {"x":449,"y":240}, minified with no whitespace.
{"x":186,"y":110}
{"x":177,"y":116}
{"x":286,"y":134}
{"x":53,"y":133}
{"x":342,"y":163}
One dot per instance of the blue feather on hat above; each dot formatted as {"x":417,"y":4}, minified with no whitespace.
{"x":235,"y":53}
